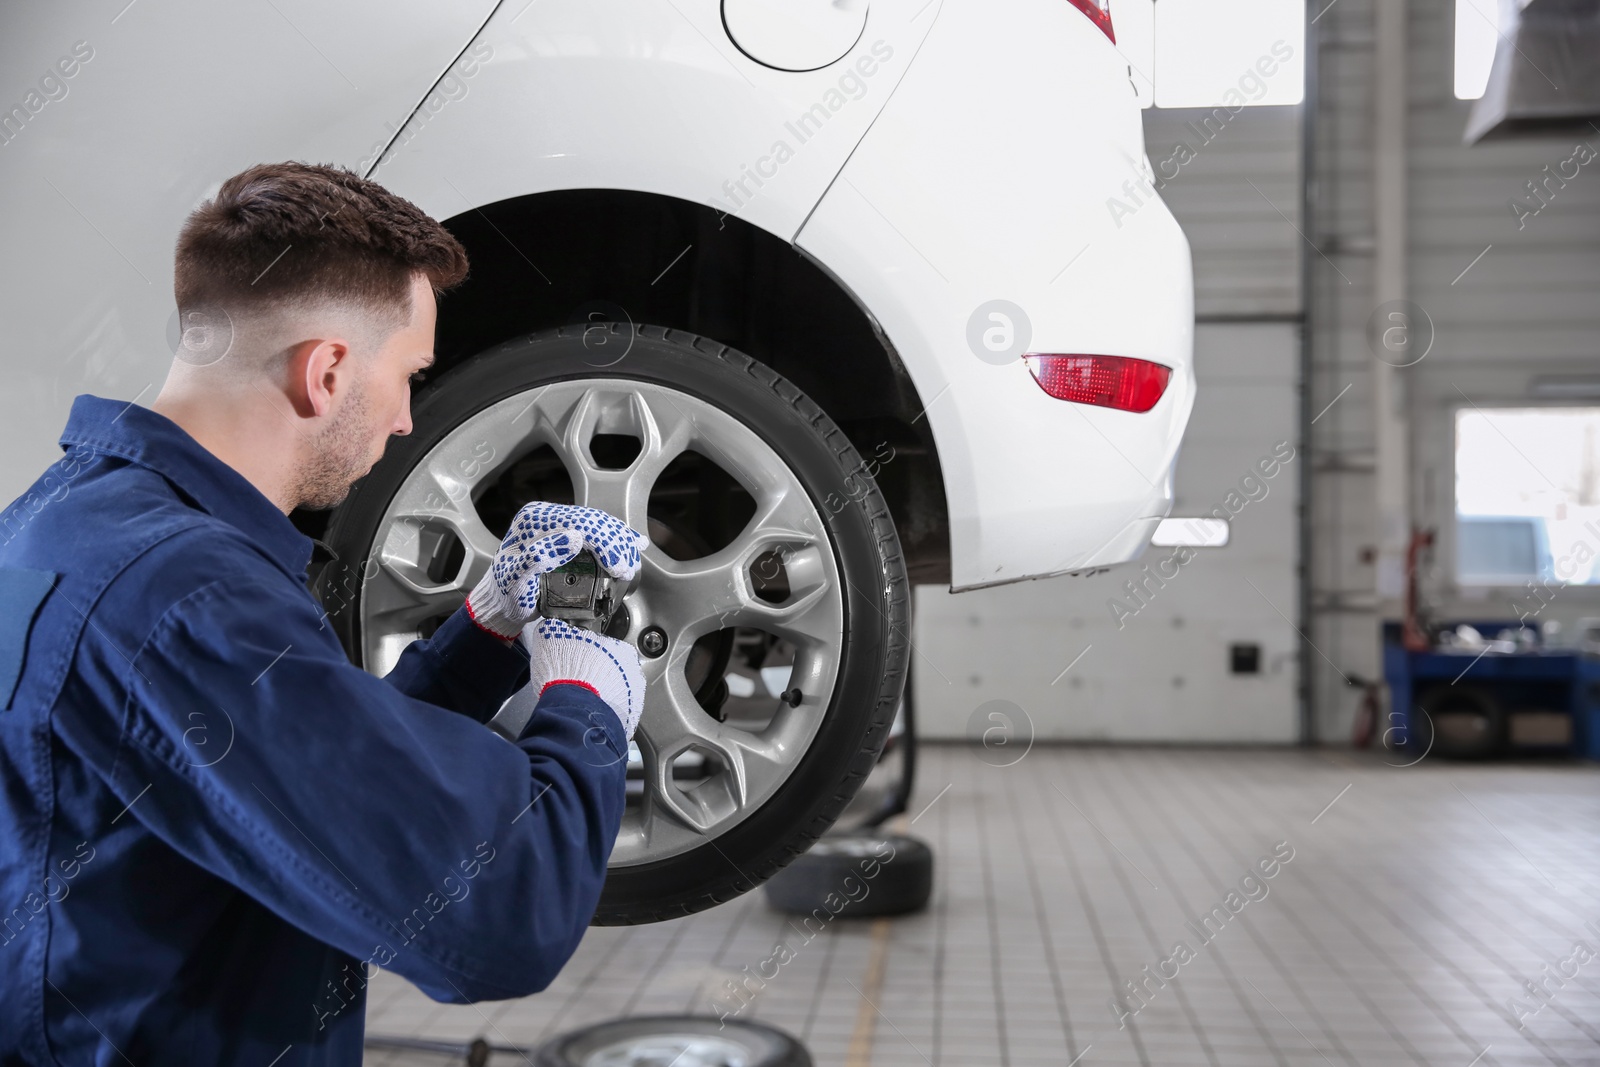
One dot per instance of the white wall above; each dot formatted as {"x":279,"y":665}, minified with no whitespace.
{"x":1229,"y":198}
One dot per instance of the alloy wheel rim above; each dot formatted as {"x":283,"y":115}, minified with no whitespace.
{"x":688,"y":599}
{"x":674,"y":1049}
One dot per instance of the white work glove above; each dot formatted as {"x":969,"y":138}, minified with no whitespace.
{"x":543,"y":537}
{"x":561,"y":652}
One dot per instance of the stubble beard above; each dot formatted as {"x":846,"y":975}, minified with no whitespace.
{"x":339,"y":454}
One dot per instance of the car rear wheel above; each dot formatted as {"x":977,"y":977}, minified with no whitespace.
{"x":774,"y":580}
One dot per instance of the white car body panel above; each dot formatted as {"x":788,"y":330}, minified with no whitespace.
{"x":671,"y":106}
{"x":959,"y":152}
{"x":178,"y":96}
{"x":1035,"y":486}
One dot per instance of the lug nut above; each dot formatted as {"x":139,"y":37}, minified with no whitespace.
{"x":653,"y":642}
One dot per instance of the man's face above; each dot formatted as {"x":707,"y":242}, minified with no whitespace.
{"x":376,"y":404}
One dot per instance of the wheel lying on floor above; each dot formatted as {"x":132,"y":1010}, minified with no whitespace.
{"x":856,"y":875}
{"x":675,"y":1040}
{"x":774,"y":573}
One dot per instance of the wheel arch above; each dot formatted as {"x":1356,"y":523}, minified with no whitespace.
{"x":551,"y":258}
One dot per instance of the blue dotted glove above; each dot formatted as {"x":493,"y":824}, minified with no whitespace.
{"x":615,"y":545}
{"x":559,"y":652}
{"x":543,"y":537}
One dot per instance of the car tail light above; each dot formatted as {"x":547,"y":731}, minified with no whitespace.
{"x":1099,"y":12}
{"x":1105,"y":381}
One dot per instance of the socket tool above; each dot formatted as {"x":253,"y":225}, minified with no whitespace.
{"x":580,"y":592}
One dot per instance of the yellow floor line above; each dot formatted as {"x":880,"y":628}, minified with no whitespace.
{"x":860,"y":1051}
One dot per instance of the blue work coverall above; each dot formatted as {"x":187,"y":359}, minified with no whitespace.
{"x":212,"y":825}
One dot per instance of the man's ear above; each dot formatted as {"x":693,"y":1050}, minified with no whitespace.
{"x":318,"y":372}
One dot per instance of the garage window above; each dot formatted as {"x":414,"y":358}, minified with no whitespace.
{"x":1528,"y":496}
{"x":1213,"y":53}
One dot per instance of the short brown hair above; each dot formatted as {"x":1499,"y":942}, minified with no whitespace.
{"x":281,"y":233}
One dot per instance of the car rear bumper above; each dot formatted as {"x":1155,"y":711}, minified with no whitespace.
{"x":1009,"y":165}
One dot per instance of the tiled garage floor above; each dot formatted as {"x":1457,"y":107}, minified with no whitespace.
{"x":1415,"y":905}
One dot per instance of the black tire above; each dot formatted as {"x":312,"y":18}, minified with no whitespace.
{"x":1459,"y":722}
{"x":875,"y":645}
{"x":871,"y":873}
{"x":758,"y":1045}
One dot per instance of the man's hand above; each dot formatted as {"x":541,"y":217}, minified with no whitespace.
{"x":560,"y":652}
{"x":542,"y":538}
{"x":612,"y":541}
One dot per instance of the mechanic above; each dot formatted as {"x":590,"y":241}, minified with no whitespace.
{"x":213,"y":827}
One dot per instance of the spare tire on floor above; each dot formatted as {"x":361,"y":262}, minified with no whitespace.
{"x":679,"y":1040}
{"x":857,"y":875}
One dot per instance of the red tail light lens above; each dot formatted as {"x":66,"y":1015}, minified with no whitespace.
{"x":1105,"y":381}
{"x":1099,"y":12}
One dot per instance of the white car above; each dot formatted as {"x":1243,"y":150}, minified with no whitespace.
{"x":831,"y":296}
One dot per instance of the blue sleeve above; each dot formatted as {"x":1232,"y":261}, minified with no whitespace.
{"x":461,"y":668}
{"x":397,"y":831}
